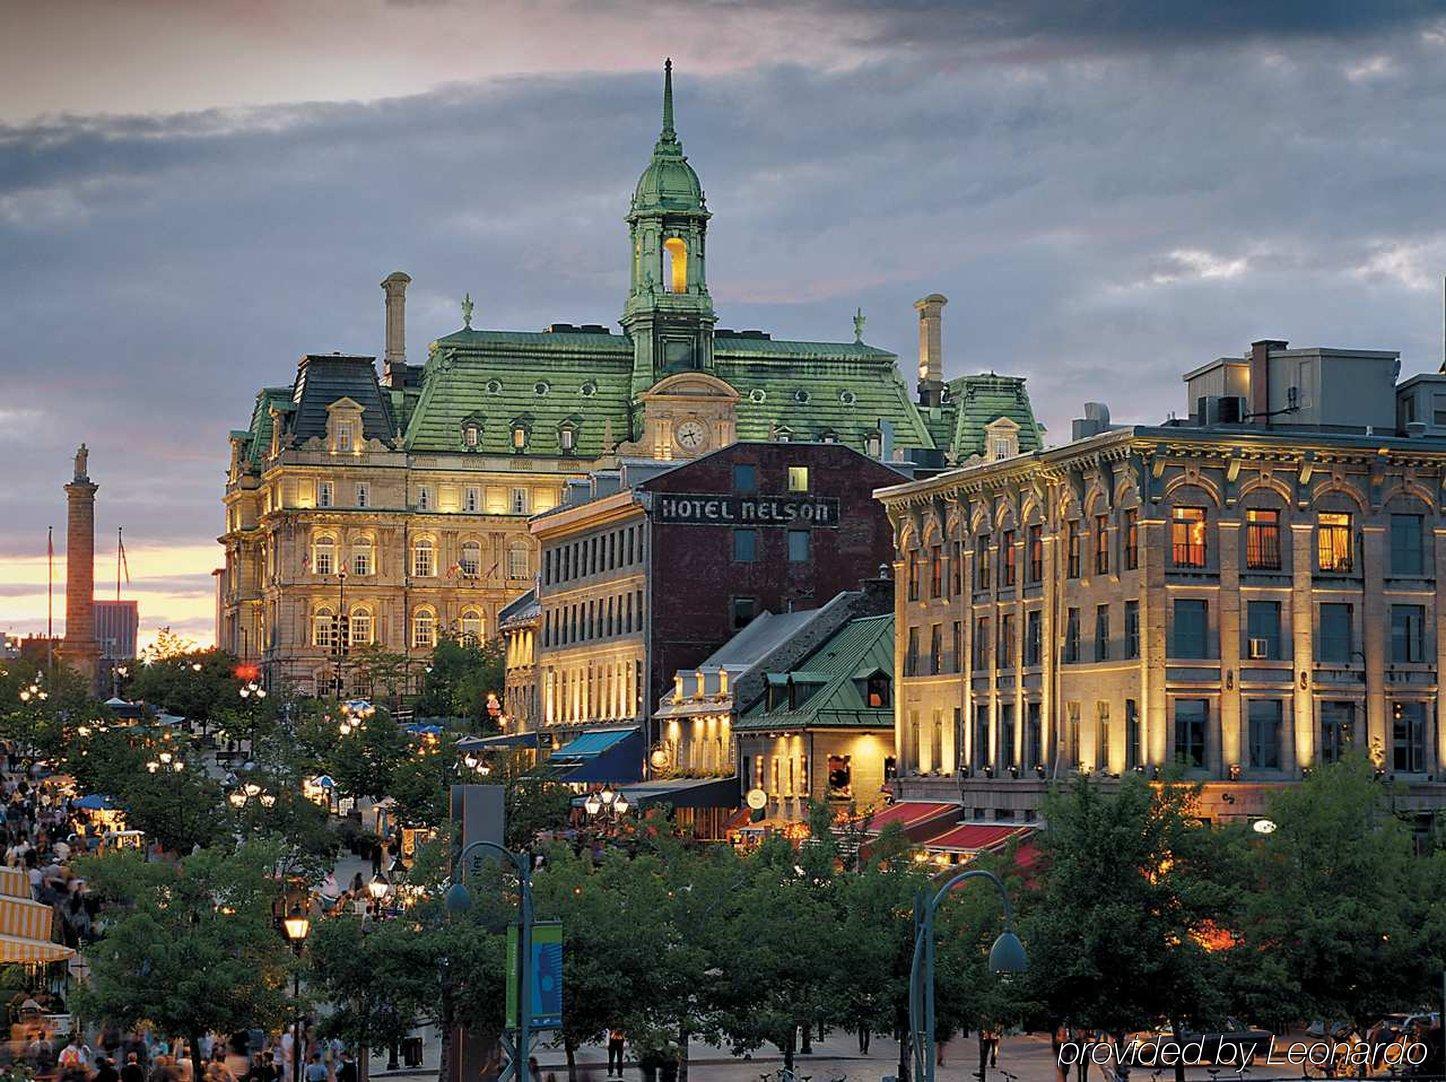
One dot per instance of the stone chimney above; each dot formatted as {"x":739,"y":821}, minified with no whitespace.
{"x":395,"y":364}
{"x":931,"y":348}
{"x":79,"y":648}
{"x":1260,"y":379}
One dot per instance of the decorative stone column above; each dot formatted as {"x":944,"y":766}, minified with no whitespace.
{"x":79,"y":649}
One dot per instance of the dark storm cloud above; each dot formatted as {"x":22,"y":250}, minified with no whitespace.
{"x":1100,"y":224}
{"x":1137,"y":22}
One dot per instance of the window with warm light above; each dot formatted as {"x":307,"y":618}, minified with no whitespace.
{"x":567,"y":438}
{"x":1187,"y":537}
{"x":1333,"y":541}
{"x":424,"y":558}
{"x":361,"y":556}
{"x":345,"y":435}
{"x":361,"y":627}
{"x":519,"y":438}
{"x":323,"y":555}
{"x":471,"y":436}
{"x":518,"y":562}
{"x":798,"y":479}
{"x":472,"y":627}
{"x":424,"y":628}
{"x":323,"y":628}
{"x":675,"y":265}
{"x":470,"y":563}
{"x":520,"y":501}
{"x":1262,"y":539}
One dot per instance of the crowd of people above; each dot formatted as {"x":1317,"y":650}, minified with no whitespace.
{"x":147,"y":1057}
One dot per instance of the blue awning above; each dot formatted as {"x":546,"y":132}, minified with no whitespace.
{"x":96,"y":802}
{"x":613,"y":755}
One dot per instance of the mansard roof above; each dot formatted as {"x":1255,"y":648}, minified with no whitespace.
{"x":322,"y":379}
{"x":838,"y":672}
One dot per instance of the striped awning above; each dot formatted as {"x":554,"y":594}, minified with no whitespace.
{"x":13,"y":949}
{"x":14,"y":883}
{"x":24,"y":918}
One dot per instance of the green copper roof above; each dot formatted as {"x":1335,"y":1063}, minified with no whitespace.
{"x":836,"y":673}
{"x":975,"y":401}
{"x":544,"y":382}
{"x":669,"y":182}
{"x":260,"y":428}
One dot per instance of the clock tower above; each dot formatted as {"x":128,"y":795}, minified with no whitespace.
{"x":669,"y":314}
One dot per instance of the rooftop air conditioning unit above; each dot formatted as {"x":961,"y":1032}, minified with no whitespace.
{"x":1259,"y":648}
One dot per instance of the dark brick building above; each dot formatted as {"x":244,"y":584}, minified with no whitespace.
{"x":649,"y":568}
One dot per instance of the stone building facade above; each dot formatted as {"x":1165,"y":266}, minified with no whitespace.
{"x":1243,"y":594}
{"x":418,"y":482}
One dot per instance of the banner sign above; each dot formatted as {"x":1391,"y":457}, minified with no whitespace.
{"x":544,"y":979}
{"x":726,"y":510}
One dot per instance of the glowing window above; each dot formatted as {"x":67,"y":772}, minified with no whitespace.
{"x":361,"y":627}
{"x":471,"y":561}
{"x":1333,"y":541}
{"x":323,"y":556}
{"x":323,"y":629}
{"x":424,"y":628}
{"x":675,"y":265}
{"x":361,"y":557}
{"x":1187,"y":537}
{"x":424,"y":563}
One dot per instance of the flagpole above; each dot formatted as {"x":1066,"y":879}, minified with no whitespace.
{"x":120,"y":546}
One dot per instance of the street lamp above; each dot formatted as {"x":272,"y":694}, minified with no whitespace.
{"x":458,"y":900}
{"x":606,"y":804}
{"x":378,"y":887}
{"x":1005,"y":956}
{"x":298,"y":927}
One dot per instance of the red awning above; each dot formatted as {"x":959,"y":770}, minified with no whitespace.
{"x":917,"y":817}
{"x":972,"y":837}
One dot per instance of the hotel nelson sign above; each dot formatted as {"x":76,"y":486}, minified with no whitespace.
{"x":690,"y":510}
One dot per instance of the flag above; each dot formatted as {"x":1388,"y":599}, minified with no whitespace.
{"x":125,"y":564}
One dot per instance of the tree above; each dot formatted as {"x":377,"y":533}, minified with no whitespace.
{"x":1119,"y":934}
{"x":189,"y":947}
{"x":195,"y":684}
{"x":1337,"y":923}
{"x":364,"y":762}
{"x":461,"y":676}
{"x":178,"y":809}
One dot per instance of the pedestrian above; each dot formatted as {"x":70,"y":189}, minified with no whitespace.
{"x":216,"y":1068}
{"x":988,"y":1048}
{"x":346,"y":1070}
{"x":315,"y":1070}
{"x":534,"y":1072}
{"x":865,"y":1034}
{"x":105,"y":1070}
{"x":616,"y":1043}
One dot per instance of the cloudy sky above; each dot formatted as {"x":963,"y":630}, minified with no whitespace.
{"x":192,"y":194}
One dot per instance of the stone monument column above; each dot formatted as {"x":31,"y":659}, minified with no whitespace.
{"x":79,"y":648}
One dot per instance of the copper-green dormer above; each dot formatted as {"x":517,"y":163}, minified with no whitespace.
{"x":669,"y":314}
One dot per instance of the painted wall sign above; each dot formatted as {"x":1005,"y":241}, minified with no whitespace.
{"x":684,"y":509}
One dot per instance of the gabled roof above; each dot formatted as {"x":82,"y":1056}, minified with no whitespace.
{"x":322,"y":379}
{"x":863,"y":643}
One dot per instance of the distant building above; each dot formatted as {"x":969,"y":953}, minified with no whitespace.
{"x":518,"y":623}
{"x":648,"y":569}
{"x":415,"y":483}
{"x":1246,"y":593}
{"x":117,"y":627}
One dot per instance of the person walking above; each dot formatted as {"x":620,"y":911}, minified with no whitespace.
{"x":616,"y":1043}
{"x":315,"y":1070}
{"x":346,"y":1069}
{"x":105,"y":1070}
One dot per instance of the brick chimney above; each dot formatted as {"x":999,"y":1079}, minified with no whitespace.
{"x":1260,"y":379}
{"x":395,"y":364}
{"x":931,"y":348}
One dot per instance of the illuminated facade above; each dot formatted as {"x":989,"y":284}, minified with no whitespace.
{"x":1246,"y":593}
{"x":418,"y":482}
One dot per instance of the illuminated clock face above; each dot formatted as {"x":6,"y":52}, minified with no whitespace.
{"x":691,"y":435}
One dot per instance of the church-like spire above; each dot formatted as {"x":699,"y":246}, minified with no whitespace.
{"x":668,"y":133}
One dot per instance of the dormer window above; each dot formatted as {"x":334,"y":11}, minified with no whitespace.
{"x":567,"y":438}
{"x":471,"y":436}
{"x":1001,"y":439}
{"x":874,"y":445}
{"x":344,"y":426}
{"x":876,"y":691}
{"x":345,"y":435}
{"x":519,"y":437}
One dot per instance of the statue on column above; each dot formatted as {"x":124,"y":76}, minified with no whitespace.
{"x":82,"y":454}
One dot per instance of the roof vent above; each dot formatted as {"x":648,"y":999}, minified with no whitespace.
{"x":593,"y":328}
{"x":560,"y":328}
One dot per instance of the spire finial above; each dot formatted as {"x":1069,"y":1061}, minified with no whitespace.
{"x":668,"y":131}
{"x":859,"y":320}
{"x":467,"y":311}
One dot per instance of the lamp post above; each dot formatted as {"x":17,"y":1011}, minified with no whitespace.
{"x":343,"y":626}
{"x":1005,"y":956}
{"x":298,"y":927}
{"x":459,"y":900}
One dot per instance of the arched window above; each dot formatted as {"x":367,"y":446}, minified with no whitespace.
{"x":517,"y":562}
{"x":323,"y":628}
{"x":362,"y":560}
{"x":472,"y":627}
{"x":471,"y":562}
{"x":323,"y":555}
{"x":424,"y":628}
{"x":424,"y":558}
{"x":362,"y":626}
{"x":675,"y":265}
